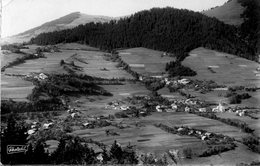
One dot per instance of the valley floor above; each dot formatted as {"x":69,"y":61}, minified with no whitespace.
{"x":141,"y":131}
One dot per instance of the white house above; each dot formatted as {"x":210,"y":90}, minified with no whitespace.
{"x":124,"y":107}
{"x":158,"y":108}
{"x":31,"y":131}
{"x":203,"y":137}
{"x":187,"y":109}
{"x":180,"y":129}
{"x":184,"y":81}
{"x":174,"y":106}
{"x":47,"y":125}
{"x":75,"y":114}
{"x":42,"y":76}
{"x":219,"y":108}
{"x":202,"y":109}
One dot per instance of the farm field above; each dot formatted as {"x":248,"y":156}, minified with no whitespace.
{"x":9,"y":57}
{"x":253,"y":123}
{"x":229,"y":69}
{"x":15,"y":88}
{"x":141,"y":132}
{"x":145,"y":61}
{"x":95,"y":105}
{"x":94,"y":64}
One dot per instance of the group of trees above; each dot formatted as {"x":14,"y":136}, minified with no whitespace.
{"x":66,"y":84}
{"x":216,"y":144}
{"x":253,"y":143}
{"x":177,"y":69}
{"x":51,"y":104}
{"x":172,"y":30}
{"x":232,"y":122}
{"x":71,"y":149}
{"x":250,"y":27}
{"x":20,"y":60}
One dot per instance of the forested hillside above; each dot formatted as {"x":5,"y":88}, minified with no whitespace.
{"x":166,"y":29}
{"x":250,"y":28}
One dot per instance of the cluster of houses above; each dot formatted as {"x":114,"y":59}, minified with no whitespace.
{"x":117,"y":106}
{"x":35,"y":126}
{"x":163,"y":108}
{"x":73,"y":112}
{"x":96,"y":121}
{"x":193,"y":132}
{"x":39,"y":77}
{"x":219,"y":108}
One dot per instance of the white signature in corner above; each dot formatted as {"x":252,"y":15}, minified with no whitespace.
{"x":16,"y":148}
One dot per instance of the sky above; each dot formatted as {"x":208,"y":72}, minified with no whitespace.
{"x":21,"y":15}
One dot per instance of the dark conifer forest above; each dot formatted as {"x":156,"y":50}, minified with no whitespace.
{"x":165,"y":29}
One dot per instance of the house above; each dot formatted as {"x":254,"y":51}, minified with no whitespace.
{"x":158,"y":108}
{"x":219,"y":108}
{"x":208,"y":134}
{"x":190,"y":132}
{"x":180,"y":129}
{"x":187,"y":109}
{"x":47,"y":125}
{"x":202,"y":109}
{"x":203,"y":137}
{"x":198,"y":132}
{"x":100,"y":157}
{"x":184,"y":81}
{"x":75,"y":114}
{"x":43,"y":76}
{"x":124,"y":107}
{"x":140,"y":78}
{"x":190,"y":102}
{"x":31,"y":131}
{"x":174,"y":106}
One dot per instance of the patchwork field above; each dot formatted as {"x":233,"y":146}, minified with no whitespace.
{"x":229,"y":69}
{"x":141,"y":132}
{"x":145,"y":61}
{"x":94,"y":64}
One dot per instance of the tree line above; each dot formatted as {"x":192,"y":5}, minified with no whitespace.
{"x":167,"y":29}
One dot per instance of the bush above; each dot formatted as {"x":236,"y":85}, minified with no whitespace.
{"x":187,"y":152}
{"x":253,"y":143}
{"x":176,"y":69}
{"x":235,"y":99}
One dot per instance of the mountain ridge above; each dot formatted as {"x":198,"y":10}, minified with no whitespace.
{"x":65,"y":22}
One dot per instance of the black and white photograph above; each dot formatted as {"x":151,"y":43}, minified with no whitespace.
{"x":130,"y":82}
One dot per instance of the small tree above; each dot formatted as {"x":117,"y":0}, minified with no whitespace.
{"x":116,"y":152}
{"x":62,"y":62}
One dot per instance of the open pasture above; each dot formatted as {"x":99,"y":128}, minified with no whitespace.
{"x":253,"y":123}
{"x":95,"y":105}
{"x":9,"y":57}
{"x":194,"y":121}
{"x":50,"y":64}
{"x":15,"y":88}
{"x":146,"y":139}
{"x":145,"y":61}
{"x":31,"y":49}
{"x":94,"y":64}
{"x":229,"y":69}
